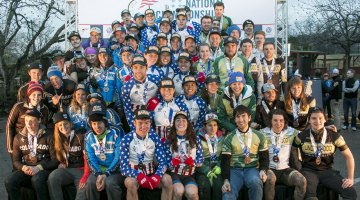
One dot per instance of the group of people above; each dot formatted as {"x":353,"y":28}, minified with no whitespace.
{"x":333,"y":88}
{"x":198,"y":110}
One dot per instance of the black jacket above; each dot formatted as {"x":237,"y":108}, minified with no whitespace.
{"x":336,"y":91}
{"x":67,"y":90}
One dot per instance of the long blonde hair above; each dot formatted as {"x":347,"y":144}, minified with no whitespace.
{"x":61,"y":144}
{"x":288,"y":96}
{"x":75,"y":106}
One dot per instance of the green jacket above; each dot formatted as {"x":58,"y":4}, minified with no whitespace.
{"x":198,"y":68}
{"x":241,"y":65}
{"x":206,"y":167}
{"x":226,"y":23}
{"x":226,"y":107}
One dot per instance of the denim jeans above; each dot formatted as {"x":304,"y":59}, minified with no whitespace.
{"x":17,"y":179}
{"x":335,"y":106}
{"x":63,"y":177}
{"x":248,"y":176}
{"x":112,"y":187}
{"x":352,"y":104}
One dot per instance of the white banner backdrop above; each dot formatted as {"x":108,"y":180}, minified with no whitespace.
{"x":102,"y":13}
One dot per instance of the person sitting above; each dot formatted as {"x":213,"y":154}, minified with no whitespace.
{"x":183,"y":152}
{"x":140,"y":150}
{"x":317,"y":147}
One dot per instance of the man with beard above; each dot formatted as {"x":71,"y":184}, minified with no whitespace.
{"x":231,"y":62}
{"x":206,"y":22}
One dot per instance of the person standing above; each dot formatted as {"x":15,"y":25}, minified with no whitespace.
{"x":325,"y":87}
{"x":350,"y":88}
{"x":336,"y":95}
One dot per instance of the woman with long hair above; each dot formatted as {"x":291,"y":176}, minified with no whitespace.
{"x":183,"y":152}
{"x":78,"y":109}
{"x":297,"y":104}
{"x":69,"y":147}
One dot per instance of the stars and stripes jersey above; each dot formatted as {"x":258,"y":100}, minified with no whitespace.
{"x":196,"y":107}
{"x":164,"y":115}
{"x":129,"y":156}
{"x":147,"y":35}
{"x":107,"y":78}
{"x":285,"y":147}
{"x":135,"y":94}
{"x":123,"y":72}
{"x":333,"y":141}
{"x":178,"y":79}
{"x":184,"y":151}
{"x":97,"y":163}
{"x":232,"y":146}
{"x":168,"y":37}
{"x":155,"y":70}
{"x":169,"y":70}
{"x":174,"y":57}
{"x":191,"y":24}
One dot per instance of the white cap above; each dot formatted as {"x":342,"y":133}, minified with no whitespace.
{"x":335,"y":71}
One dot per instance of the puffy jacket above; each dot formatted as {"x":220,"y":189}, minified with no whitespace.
{"x":147,"y":35}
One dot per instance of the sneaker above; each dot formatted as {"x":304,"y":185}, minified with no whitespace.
{"x":353,"y":128}
{"x":344,"y":127}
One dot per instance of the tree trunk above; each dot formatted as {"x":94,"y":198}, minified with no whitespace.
{"x":4,"y":79}
{"x":347,"y":61}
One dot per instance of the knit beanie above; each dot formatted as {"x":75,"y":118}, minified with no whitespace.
{"x":54,"y":71}
{"x":32,"y":87}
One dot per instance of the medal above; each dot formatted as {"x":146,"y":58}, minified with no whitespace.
{"x":318,"y":161}
{"x":102,"y":156}
{"x":276,"y":159}
{"x":141,"y":166}
{"x":247,"y":159}
{"x":106,"y":89}
{"x":296,"y":123}
{"x":32,"y":159}
{"x":318,"y":150}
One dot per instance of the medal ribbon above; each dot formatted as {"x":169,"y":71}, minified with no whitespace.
{"x":145,"y":91}
{"x":72,"y":134}
{"x":318,"y":151}
{"x":238,"y":101}
{"x":211,"y":149}
{"x":245,"y":147}
{"x":206,"y":71}
{"x":32,"y":140}
{"x":295,"y":109}
{"x":270,"y":72}
{"x":276,"y":144}
{"x":101,"y":144}
{"x":229,"y":67}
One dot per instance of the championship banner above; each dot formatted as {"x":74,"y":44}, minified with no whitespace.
{"x":102,"y":13}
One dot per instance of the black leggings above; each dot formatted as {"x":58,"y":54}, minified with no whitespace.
{"x":330,"y":179}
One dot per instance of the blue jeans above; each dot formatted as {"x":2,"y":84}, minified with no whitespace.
{"x":352,"y":104}
{"x":248,"y":176}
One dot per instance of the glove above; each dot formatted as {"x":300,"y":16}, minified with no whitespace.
{"x":175,"y":161}
{"x":211,"y":175}
{"x":189,"y":161}
{"x":152,"y":103}
{"x":143,"y":181}
{"x":155,"y":180}
{"x":216,"y":170}
{"x":94,"y":83}
{"x":201,"y":77}
{"x":127,"y":78}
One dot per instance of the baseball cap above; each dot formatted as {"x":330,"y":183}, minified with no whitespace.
{"x":120,"y":28}
{"x":230,"y":39}
{"x":267,"y":87}
{"x":125,"y":11}
{"x":33,"y":113}
{"x":34,"y":65}
{"x":152,"y":49}
{"x":96,"y":30}
{"x":212,"y":78}
{"x":188,"y":79}
{"x":132,"y":36}
{"x":166,"y":83}
{"x":80,"y":86}
{"x":142,"y":113}
{"x":237,"y":77}
{"x":103,"y":50}
{"x":211,"y":117}
{"x":165,"y":50}
{"x":184,"y":55}
{"x":181,"y":13}
{"x":126,"y":49}
{"x":60,"y":116}
{"x":115,"y":22}
{"x":94,"y":95}
{"x":190,"y":37}
{"x":139,"y":59}
{"x":74,"y":33}
{"x":149,"y":11}
{"x":161,"y":35}
{"x":175,"y":35}
{"x":57,"y":53}
{"x":96,"y":111}
{"x":248,"y":21}
{"x":133,"y":25}
{"x":215,"y":31}
{"x":183,"y":8}
{"x":165,"y":20}
{"x":137,"y":15}
{"x":181,"y":113}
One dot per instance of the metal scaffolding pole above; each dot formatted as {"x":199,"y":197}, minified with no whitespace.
{"x":71,"y":17}
{"x":281,"y":34}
